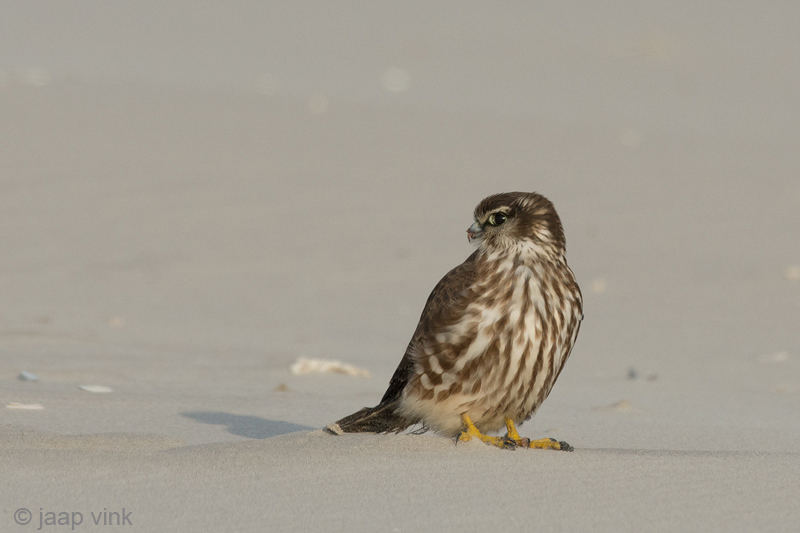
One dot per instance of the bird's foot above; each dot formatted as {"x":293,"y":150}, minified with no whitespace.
{"x":471,"y":432}
{"x":522,"y":442}
{"x":501,"y":442}
{"x":542,"y":444}
{"x":550,"y":444}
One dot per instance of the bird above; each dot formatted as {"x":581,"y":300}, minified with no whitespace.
{"x":493,"y":336}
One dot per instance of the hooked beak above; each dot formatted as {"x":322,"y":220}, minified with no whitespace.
{"x":474,"y":231}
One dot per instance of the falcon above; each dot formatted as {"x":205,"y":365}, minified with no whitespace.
{"x":494,"y":334}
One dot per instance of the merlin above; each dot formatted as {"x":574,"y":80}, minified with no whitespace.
{"x":494,"y":334}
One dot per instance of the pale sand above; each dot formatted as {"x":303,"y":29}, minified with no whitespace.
{"x":188,"y":206}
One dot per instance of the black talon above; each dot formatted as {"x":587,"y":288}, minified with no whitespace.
{"x":509,"y":444}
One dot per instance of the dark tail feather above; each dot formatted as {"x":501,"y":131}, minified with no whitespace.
{"x":382,"y":418}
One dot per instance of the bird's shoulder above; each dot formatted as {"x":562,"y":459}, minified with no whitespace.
{"x":444,"y":297}
{"x":450,"y":290}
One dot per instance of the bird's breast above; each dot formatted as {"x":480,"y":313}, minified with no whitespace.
{"x":500,"y":351}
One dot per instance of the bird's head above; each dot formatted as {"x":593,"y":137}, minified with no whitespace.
{"x":518,"y":222}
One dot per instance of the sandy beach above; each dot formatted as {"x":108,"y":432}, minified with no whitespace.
{"x":193,"y":197}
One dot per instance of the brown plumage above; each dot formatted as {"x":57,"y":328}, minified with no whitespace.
{"x":494,"y":334}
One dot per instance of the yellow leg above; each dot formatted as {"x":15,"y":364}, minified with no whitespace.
{"x":471,"y":431}
{"x":512,"y":431}
{"x":542,"y":444}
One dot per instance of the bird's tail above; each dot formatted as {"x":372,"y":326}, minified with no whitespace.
{"x":383,"y":418}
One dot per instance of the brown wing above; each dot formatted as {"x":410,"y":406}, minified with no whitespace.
{"x":441,"y":300}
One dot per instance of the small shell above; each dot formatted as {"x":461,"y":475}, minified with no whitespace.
{"x":96,"y":388}
{"x":310,"y":366}
{"x":26,"y":406}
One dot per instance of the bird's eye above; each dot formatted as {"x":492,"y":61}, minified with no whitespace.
{"x":495,"y":219}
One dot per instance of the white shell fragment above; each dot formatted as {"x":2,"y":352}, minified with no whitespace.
{"x":310,"y":366}
{"x":96,"y":388}
{"x":27,"y":376}
{"x":26,"y":406}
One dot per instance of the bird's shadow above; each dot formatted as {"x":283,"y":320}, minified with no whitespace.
{"x":251,"y":427}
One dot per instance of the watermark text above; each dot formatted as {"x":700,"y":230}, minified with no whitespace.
{"x":44,"y":518}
